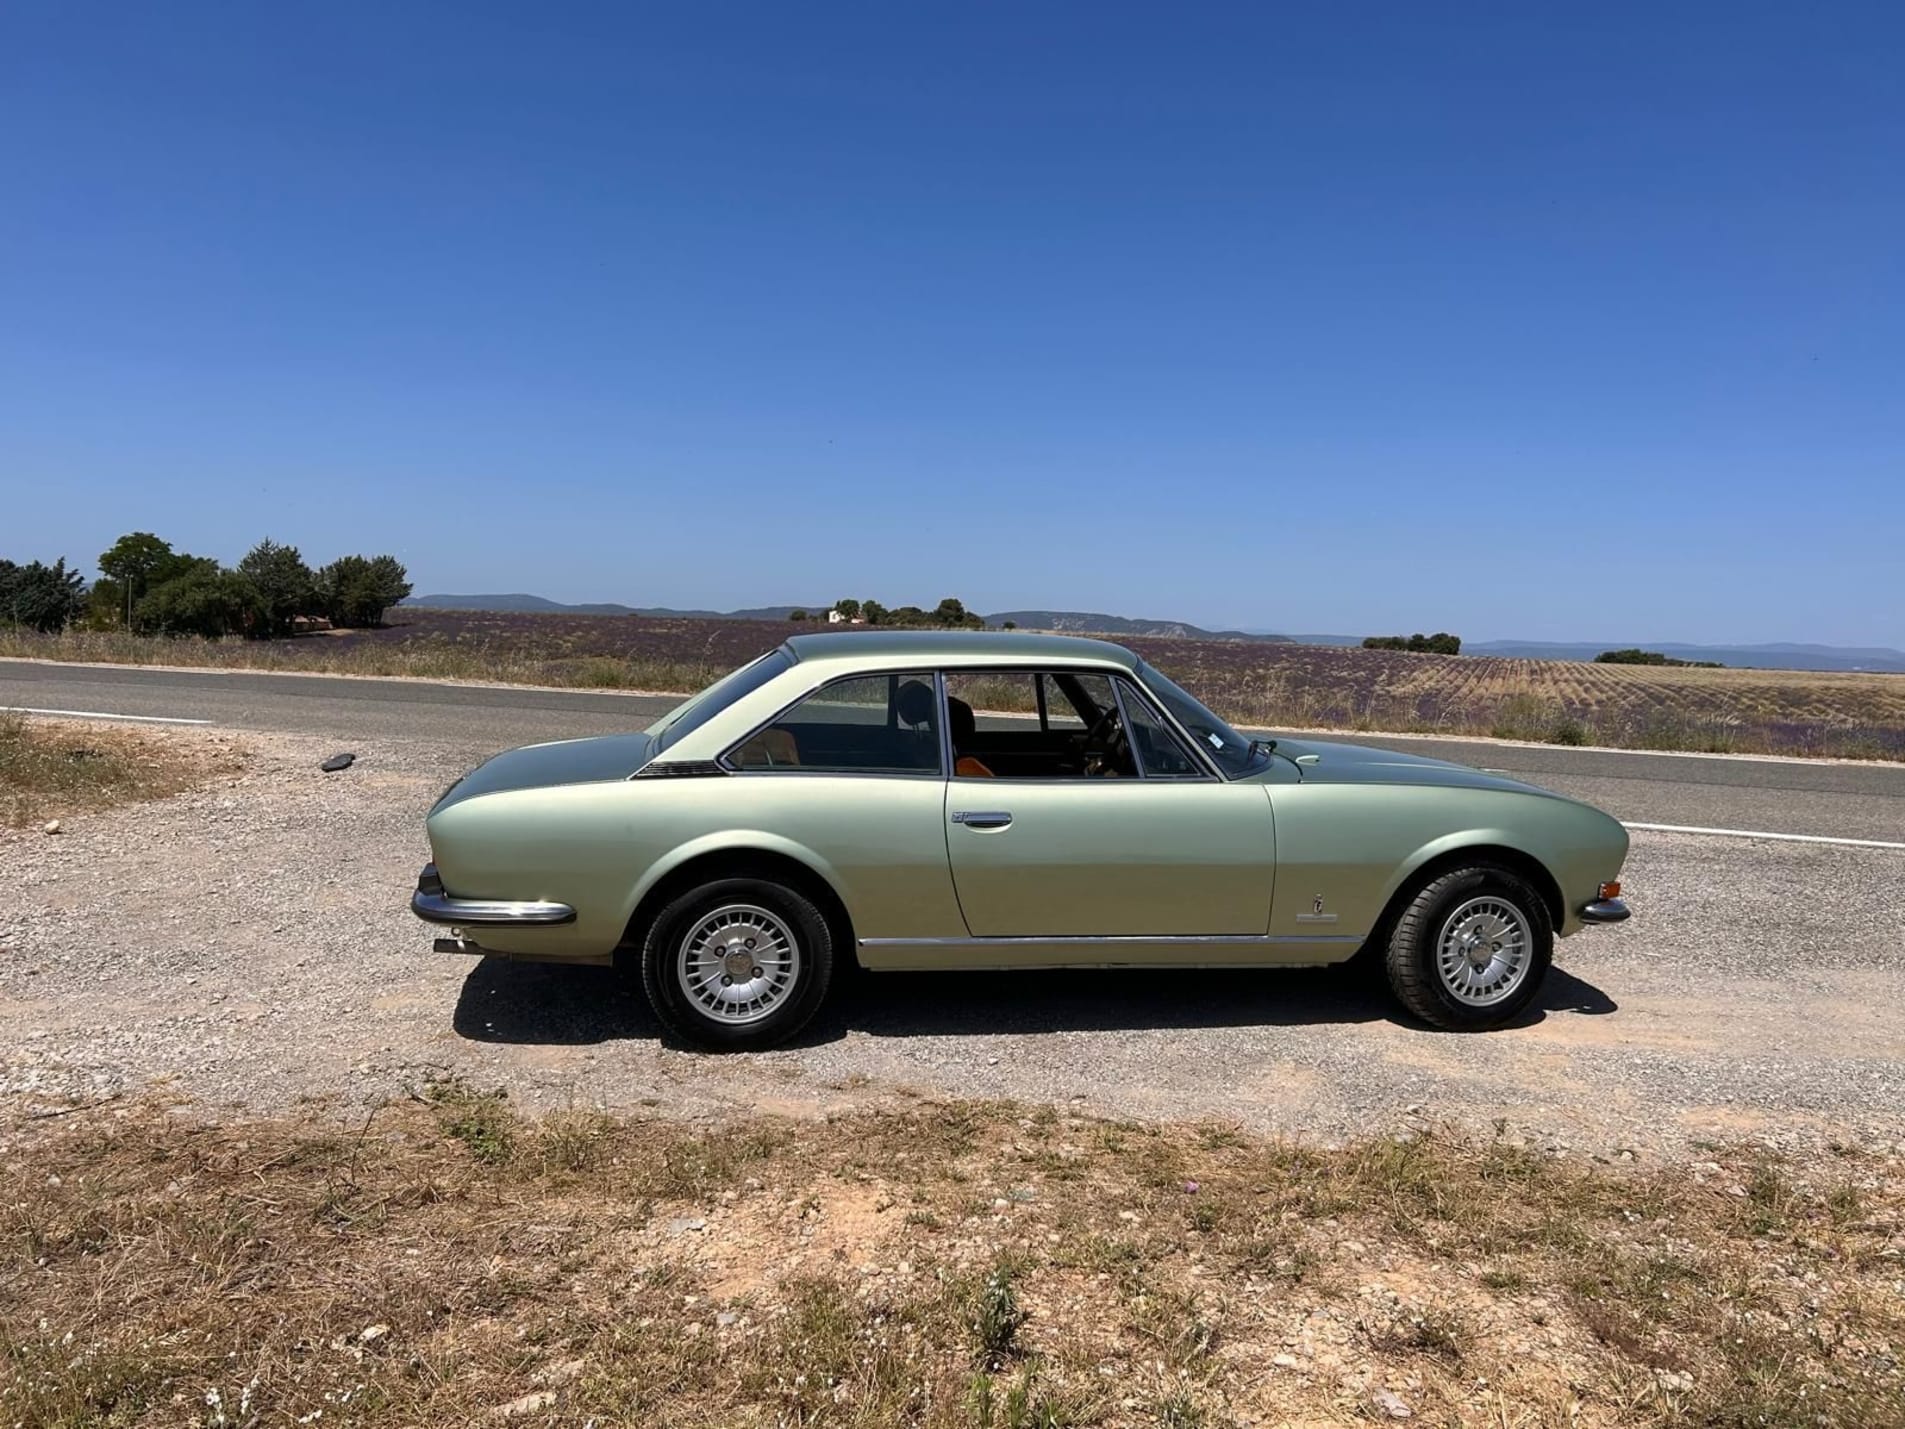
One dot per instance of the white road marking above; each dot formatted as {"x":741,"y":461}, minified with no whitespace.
{"x":101,"y":714}
{"x":1761,"y":834}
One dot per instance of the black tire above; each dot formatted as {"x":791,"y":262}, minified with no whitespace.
{"x":1412,"y":952}
{"x":663,"y":954}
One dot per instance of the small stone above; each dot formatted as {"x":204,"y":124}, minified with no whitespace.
{"x":372,"y":1333}
{"x":1285,"y":1361}
{"x":727,"y":1317}
{"x":52,"y":826}
{"x":1390,"y":1404}
{"x":528,"y":1404}
{"x":680,"y":1225}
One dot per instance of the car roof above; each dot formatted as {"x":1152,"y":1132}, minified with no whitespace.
{"x":960,"y":647}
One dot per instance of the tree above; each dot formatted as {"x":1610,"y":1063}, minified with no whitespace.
{"x":39,"y":596}
{"x":800,"y":615}
{"x":137,"y":562}
{"x":849,"y":609}
{"x":1440,"y":643}
{"x":872,"y":612}
{"x":952,"y":612}
{"x":204,"y":601}
{"x":1009,"y":625}
{"x":286,"y":588}
{"x":355,"y":591}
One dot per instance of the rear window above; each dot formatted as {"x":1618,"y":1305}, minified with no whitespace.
{"x":698,"y":710}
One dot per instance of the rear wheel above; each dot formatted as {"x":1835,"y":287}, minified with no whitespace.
{"x":738,"y":963}
{"x":1471,"y":948}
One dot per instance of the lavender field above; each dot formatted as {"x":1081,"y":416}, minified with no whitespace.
{"x":1259,"y":684}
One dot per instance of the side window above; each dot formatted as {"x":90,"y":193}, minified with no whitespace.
{"x":865,"y":724}
{"x":1029,"y":724}
{"x":1160,"y":753}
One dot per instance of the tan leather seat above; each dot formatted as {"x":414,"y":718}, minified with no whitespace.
{"x":962,"y":725}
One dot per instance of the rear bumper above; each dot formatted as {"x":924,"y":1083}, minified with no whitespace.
{"x":433,"y":905}
{"x":1606,"y":910}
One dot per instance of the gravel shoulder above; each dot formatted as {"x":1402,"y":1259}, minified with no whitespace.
{"x":249,"y":945}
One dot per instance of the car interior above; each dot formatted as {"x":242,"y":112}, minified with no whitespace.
{"x":866,"y":724}
{"x":889,"y":724}
{"x":1078,"y":733}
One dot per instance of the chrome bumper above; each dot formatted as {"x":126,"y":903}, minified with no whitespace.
{"x":433,"y":905}
{"x":1606,"y":910}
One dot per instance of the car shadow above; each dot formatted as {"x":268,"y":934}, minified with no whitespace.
{"x":511,"y":1002}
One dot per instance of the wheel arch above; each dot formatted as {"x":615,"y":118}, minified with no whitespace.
{"x":1460,"y":851}
{"x":762,"y":857}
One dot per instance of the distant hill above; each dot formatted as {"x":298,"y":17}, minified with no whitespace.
{"x":542,"y":605}
{"x":1089,"y":622}
{"x":1077,"y":621}
{"x":1775,"y":656}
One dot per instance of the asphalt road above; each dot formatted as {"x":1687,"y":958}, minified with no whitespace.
{"x":251,"y":942}
{"x":1797,"y":797}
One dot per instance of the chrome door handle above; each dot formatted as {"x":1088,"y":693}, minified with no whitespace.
{"x":982,"y":819}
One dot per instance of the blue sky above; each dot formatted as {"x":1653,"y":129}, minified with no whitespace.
{"x":1581,"y":322}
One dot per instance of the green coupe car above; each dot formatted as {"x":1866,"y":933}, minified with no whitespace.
{"x":976,"y":799}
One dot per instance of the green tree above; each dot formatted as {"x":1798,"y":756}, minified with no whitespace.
{"x":137,"y":561}
{"x":849,"y":609}
{"x":872,"y":612}
{"x":203,"y":601}
{"x":799,"y":615}
{"x":39,"y":596}
{"x":355,"y":591}
{"x":285,"y":586}
{"x":1440,"y":643}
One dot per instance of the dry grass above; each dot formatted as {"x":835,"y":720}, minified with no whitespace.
{"x":445,"y":1262}
{"x":53,"y":770}
{"x":1254,"y":683}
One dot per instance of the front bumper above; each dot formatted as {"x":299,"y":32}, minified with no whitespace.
{"x":433,"y":905}
{"x":1606,"y":910}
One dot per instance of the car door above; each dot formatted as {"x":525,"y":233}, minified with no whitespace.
{"x":1086,"y":846}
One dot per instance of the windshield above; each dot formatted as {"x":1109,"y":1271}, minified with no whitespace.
{"x":697,"y":710}
{"x":1232,"y":752}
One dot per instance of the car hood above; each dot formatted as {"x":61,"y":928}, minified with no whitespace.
{"x":1327,"y":762}
{"x":542,"y":766}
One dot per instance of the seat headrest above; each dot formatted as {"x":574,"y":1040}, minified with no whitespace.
{"x":914,"y":703}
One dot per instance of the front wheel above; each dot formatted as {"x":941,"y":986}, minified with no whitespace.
{"x":737,"y":964}
{"x":1470,"y":950}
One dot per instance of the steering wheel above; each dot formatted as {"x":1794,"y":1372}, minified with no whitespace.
{"x":1105,"y":743}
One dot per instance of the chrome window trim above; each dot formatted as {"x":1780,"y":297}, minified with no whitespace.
{"x":1183,"y":733}
{"x":1114,"y":675}
{"x":1119,"y":686}
{"x":724,"y":760}
{"x":946,"y":764}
